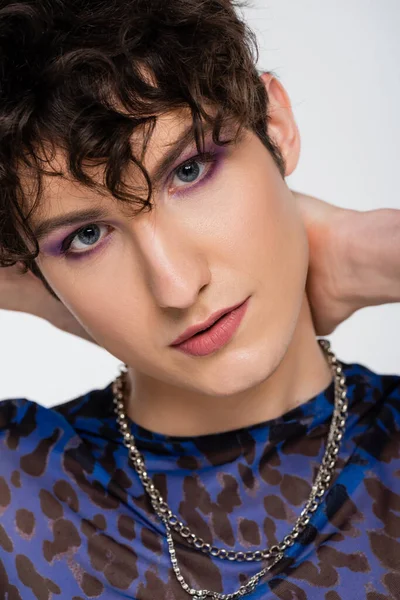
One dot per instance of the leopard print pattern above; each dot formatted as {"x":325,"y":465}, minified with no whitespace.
{"x":75,"y":522}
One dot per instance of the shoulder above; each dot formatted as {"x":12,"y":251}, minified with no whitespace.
{"x":27,"y":416}
{"x":31,"y":435}
{"x":373,"y":393}
{"x":30,"y":431}
{"x":374,"y":384}
{"x":23,"y":418}
{"x":374,"y":412}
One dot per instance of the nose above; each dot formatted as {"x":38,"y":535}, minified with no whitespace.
{"x":175,"y":266}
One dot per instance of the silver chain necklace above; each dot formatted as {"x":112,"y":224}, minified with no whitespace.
{"x":274,"y":553}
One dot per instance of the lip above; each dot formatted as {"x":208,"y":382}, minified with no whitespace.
{"x":191,"y":331}
{"x":217,"y":335}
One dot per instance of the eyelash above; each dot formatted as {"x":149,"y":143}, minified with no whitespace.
{"x":210,"y":157}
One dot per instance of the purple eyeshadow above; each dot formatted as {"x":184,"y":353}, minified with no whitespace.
{"x":214,"y":167}
{"x":54,"y":247}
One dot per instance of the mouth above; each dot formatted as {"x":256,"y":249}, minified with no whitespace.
{"x":210,"y":327}
{"x":194,"y":330}
{"x":217,"y":335}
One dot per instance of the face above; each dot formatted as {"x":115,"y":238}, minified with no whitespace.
{"x":220,"y":231}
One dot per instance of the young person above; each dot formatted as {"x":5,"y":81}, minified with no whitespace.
{"x":245,"y":460}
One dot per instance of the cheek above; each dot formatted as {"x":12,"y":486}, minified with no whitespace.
{"x":261,"y":229}
{"x":105,"y":301}
{"x":269,"y":248}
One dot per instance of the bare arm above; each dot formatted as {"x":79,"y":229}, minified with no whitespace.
{"x":354,"y":260}
{"x":373,"y":266}
{"x":23,"y":292}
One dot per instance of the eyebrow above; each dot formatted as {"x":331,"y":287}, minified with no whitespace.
{"x":47,"y":226}
{"x":75,"y":217}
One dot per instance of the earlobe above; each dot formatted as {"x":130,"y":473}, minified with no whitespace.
{"x":282,"y":126}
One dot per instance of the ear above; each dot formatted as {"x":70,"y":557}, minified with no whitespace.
{"x":282,"y":127}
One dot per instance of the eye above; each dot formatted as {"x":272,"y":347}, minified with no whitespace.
{"x":190,"y":171}
{"x":84,"y":239}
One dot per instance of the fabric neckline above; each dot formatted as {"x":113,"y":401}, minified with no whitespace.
{"x":314,"y":408}
{"x":312,"y":418}
{"x":93,"y":416}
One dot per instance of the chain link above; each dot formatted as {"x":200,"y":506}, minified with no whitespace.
{"x":275,"y":552}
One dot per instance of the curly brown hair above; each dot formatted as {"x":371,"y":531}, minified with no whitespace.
{"x":75,"y":76}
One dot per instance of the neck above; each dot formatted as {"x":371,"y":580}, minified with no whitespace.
{"x":302,"y":373}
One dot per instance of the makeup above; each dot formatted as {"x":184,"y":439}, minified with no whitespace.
{"x":213,"y":157}
{"x":57,"y":245}
{"x":215,"y":337}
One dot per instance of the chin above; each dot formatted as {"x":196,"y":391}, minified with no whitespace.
{"x":243,"y":371}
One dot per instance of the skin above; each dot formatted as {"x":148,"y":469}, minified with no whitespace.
{"x":239,"y":234}
{"x":354,"y":262}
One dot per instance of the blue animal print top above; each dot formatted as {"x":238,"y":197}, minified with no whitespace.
{"x":75,"y":522}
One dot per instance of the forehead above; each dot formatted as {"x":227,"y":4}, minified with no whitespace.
{"x":157,"y":149}
{"x":59,"y":186}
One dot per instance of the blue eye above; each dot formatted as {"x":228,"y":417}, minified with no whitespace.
{"x":189,"y":171}
{"x":90,"y":237}
{"x":83,"y":239}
